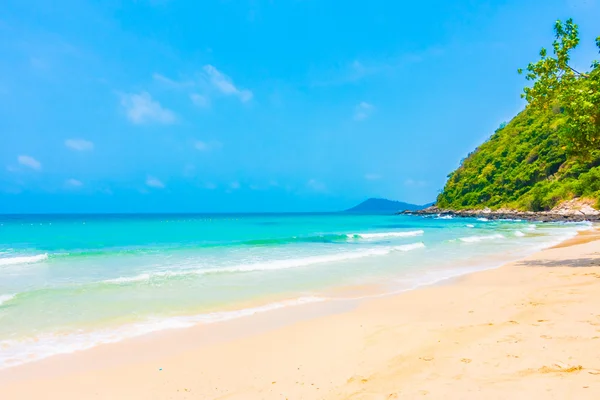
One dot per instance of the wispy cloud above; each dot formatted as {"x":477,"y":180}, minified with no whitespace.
{"x":316,"y":185}
{"x":199,"y":100}
{"x":207,"y":146}
{"x":73,"y":183}
{"x":30,"y":162}
{"x":356,"y":70}
{"x":363,"y":111}
{"x":141,"y":109}
{"x":224,"y":84}
{"x":79,"y":144}
{"x":171,"y":83}
{"x":372,"y":177}
{"x":413,"y":182}
{"x":154,"y":183}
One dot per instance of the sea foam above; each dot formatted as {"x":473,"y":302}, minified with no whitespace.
{"x":23,"y":259}
{"x":473,"y":239}
{"x":6,"y":298}
{"x":379,"y":235}
{"x":269,"y":265}
{"x":15,"y":352}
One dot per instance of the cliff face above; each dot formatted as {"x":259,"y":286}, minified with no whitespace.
{"x":523,"y":166}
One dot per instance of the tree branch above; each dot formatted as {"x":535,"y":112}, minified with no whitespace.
{"x":577,"y":72}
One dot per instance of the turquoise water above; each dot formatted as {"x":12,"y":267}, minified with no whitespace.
{"x":71,"y":282}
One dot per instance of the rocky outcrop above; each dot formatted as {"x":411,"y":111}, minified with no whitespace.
{"x":569,"y":211}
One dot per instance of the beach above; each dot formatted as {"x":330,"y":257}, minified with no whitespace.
{"x":529,"y":329}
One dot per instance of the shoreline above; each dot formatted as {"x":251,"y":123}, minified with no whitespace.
{"x":85,"y":340}
{"x":566,"y":215}
{"x":232,"y":343}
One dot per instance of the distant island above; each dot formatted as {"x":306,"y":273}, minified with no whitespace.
{"x":384,"y":205}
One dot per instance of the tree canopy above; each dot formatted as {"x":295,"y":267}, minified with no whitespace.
{"x":549,"y":152}
{"x":560,"y":87}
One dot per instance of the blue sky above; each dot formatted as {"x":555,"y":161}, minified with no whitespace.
{"x":290,"y":105}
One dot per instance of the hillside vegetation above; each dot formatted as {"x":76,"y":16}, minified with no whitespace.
{"x":549,"y":152}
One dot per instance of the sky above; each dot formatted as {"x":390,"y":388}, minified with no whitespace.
{"x":257,"y":105}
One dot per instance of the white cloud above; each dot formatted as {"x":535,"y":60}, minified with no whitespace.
{"x":154,"y":183}
{"x":316,"y":186}
{"x":29,"y":162}
{"x":140,"y":109}
{"x":79,"y":144}
{"x":412,"y":182}
{"x":207,"y":146}
{"x":73,"y":183}
{"x":225,"y":85}
{"x":363,"y":111}
{"x":372,"y":177}
{"x":199,"y":100}
{"x":171,"y":83}
{"x":234,"y":185}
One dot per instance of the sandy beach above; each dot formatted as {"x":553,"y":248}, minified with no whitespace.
{"x":526,"y":330}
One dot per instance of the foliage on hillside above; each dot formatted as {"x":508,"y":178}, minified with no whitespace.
{"x":523,"y":166}
{"x":550,"y":152}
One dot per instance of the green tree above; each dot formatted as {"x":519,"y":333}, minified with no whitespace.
{"x":559,"y":87}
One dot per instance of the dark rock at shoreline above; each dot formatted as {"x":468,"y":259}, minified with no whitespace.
{"x":556,"y":215}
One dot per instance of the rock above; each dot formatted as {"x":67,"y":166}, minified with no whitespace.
{"x":575,"y":210}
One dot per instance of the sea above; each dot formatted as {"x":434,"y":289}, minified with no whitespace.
{"x":72,"y":282}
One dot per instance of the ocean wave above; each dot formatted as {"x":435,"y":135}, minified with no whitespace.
{"x":6,"y":298}
{"x":313,"y":238}
{"x":473,"y":239}
{"x":444,"y":216}
{"x":531,"y":227}
{"x":267,"y":265}
{"x":23,"y":259}
{"x":519,"y":234}
{"x":15,"y":352}
{"x":137,"y":278}
{"x":482,"y":219}
{"x":470,"y":226}
{"x":379,"y":235}
{"x":409,"y":247}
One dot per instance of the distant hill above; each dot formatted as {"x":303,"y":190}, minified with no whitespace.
{"x":384,"y":205}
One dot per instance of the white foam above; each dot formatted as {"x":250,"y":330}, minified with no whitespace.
{"x":482,"y":219}
{"x":409,"y":247}
{"x":23,"y":259}
{"x":473,"y":239}
{"x":378,"y":235}
{"x":137,"y":278}
{"x":519,"y":234}
{"x":269,"y":265}
{"x":6,"y":297}
{"x":260,"y":266}
{"x":15,"y":352}
{"x":531,"y":227}
{"x":444,"y":216}
{"x":470,"y":226}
